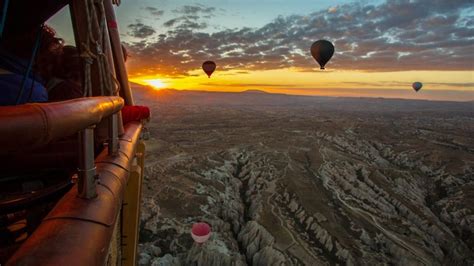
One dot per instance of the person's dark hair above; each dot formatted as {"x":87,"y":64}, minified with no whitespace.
{"x":48,"y":58}
{"x":69,"y":72}
{"x":70,"y":67}
{"x":48,"y":54}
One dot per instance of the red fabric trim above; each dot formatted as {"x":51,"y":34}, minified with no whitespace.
{"x":112,"y":24}
{"x":134,"y":113}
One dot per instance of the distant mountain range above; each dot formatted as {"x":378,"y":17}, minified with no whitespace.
{"x":426,"y":94}
{"x":255,"y":91}
{"x":253,"y":98}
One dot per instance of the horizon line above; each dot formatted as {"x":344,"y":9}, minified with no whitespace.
{"x":394,"y":97}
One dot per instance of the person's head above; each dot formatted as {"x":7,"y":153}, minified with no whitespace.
{"x":49,"y":54}
{"x":71,"y":67}
{"x":49,"y":50}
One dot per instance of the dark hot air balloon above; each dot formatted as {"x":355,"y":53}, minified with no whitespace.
{"x":417,"y":86}
{"x":209,"y":67}
{"x":322,"y":51}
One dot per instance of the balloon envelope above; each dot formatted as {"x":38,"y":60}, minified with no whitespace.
{"x":209,"y":67}
{"x":417,"y":85}
{"x":200,"y":232}
{"x":322,"y":51}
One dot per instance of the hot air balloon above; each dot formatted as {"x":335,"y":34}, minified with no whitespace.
{"x":417,"y":85}
{"x":200,"y":232}
{"x":322,"y":51}
{"x":209,"y":67}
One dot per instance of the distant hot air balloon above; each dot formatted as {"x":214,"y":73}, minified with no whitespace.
{"x":322,"y":51}
{"x":200,"y":232}
{"x":209,"y":67}
{"x":417,"y":85}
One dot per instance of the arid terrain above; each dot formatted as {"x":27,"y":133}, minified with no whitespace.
{"x":291,"y":180}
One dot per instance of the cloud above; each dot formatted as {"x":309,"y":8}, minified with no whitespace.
{"x":171,"y":22}
{"x":393,"y":36}
{"x":240,"y":85}
{"x":155,"y":11}
{"x":185,"y":23}
{"x":332,"y":9}
{"x":190,"y":17}
{"x":194,"y":10}
{"x":405,"y":84}
{"x":461,"y":85}
{"x":140,"y":30}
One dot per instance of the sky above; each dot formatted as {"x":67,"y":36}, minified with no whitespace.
{"x":382,"y":47}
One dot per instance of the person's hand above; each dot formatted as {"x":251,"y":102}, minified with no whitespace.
{"x":116,"y":2}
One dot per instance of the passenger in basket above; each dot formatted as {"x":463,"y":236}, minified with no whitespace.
{"x":66,"y":83}
{"x":23,"y":72}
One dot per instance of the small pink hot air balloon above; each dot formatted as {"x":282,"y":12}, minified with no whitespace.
{"x":201,"y":232}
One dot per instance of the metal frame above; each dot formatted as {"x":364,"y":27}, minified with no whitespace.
{"x":113,"y":135}
{"x":87,"y":181}
{"x":131,"y":208}
{"x":120,"y":69}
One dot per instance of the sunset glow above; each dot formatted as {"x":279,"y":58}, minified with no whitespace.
{"x":326,"y":83}
{"x":155,"y":83}
{"x":379,"y":45}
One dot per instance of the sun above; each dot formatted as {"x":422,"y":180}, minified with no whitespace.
{"x":156,"y":83}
